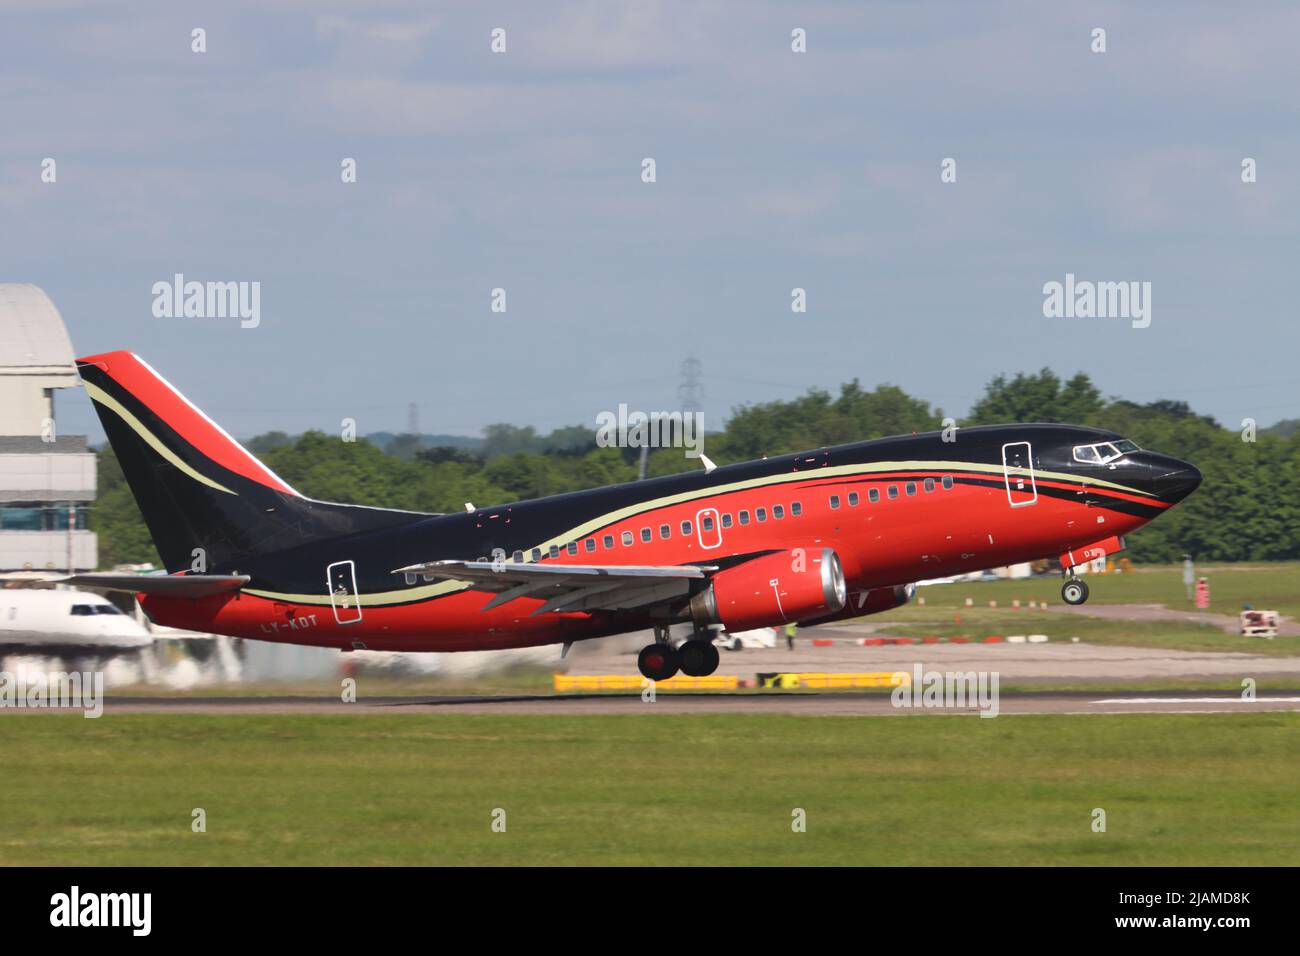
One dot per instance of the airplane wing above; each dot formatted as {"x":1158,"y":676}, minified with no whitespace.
{"x":568,"y":587}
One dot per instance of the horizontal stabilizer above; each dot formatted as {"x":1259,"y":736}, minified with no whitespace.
{"x":162,"y":585}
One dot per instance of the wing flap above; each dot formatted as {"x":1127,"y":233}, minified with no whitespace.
{"x":568,"y":587}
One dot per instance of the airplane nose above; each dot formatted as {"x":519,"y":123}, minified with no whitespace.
{"x":1178,"y":482}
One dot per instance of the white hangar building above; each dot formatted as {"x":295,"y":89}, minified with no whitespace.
{"x":47,"y":480}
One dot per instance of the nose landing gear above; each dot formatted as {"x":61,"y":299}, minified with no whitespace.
{"x":1074,"y":591}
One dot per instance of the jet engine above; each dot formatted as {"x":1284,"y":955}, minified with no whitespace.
{"x":778,"y":588}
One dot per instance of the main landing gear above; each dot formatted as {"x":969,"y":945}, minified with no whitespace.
{"x":695,"y":658}
{"x":1074,"y":591}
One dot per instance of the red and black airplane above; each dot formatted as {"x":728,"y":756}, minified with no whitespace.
{"x":818,"y":536}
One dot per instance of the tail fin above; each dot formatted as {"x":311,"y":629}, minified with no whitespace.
{"x":207,"y":501}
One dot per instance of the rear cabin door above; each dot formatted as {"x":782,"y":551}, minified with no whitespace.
{"x":341,"y":577}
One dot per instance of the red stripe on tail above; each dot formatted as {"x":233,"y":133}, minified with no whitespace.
{"x":134,"y":375}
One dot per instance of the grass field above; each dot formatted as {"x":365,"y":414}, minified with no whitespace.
{"x":1174,"y":635}
{"x":651,"y":789}
{"x":1275,"y":585}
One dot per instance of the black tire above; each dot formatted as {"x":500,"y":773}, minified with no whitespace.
{"x":657,"y":662}
{"x":698,"y":658}
{"x":1074,"y":592}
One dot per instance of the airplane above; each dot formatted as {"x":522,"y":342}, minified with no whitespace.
{"x":817,"y":536}
{"x":39,"y":617}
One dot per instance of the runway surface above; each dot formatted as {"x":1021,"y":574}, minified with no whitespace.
{"x":848,"y":703}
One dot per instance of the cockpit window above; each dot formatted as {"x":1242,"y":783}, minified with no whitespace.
{"x":1103,"y":452}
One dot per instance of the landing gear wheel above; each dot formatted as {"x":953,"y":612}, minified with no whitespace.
{"x":657,"y":661}
{"x":699,"y":658}
{"x":1074,"y":591}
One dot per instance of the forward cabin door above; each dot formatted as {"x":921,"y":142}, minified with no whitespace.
{"x":1018,"y":471}
{"x":341,"y":577}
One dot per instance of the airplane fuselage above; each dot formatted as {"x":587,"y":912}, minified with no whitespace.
{"x":894,"y":510}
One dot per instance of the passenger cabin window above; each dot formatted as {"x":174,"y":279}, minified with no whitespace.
{"x":665,"y":532}
{"x":608,"y":541}
{"x":590,"y":546}
{"x":911,"y":487}
{"x":796,"y":508}
{"x":853,"y":499}
{"x":572,"y":546}
{"x":686,"y":528}
{"x":760,"y":514}
{"x":893,"y":491}
{"x":518,"y":557}
{"x":627,"y":539}
{"x":555,"y":551}
{"x":778,"y":512}
{"x":744,"y":517}
{"x":706,"y":523}
{"x":835,"y":502}
{"x":537,"y":554}
{"x":929,"y":484}
{"x":726,"y":520}
{"x":947,"y":481}
{"x":646,"y":535}
{"x":873,"y":494}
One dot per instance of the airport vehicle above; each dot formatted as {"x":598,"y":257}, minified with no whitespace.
{"x":1258,"y":623}
{"x":820,"y":535}
{"x":44,"y":617}
{"x":758,"y":637}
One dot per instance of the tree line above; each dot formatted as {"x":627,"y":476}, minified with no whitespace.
{"x":1248,"y":508}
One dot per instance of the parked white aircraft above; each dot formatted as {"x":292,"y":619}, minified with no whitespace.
{"x":40,"y":617}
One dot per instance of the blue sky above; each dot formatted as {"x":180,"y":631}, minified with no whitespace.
{"x":775,"y":170}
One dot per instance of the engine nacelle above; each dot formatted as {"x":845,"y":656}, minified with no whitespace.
{"x":863,"y":602}
{"x":773,"y":590}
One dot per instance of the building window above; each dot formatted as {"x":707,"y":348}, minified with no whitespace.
{"x":744,"y":517}
{"x":43,"y":516}
{"x":646,"y":535}
{"x":796,"y":508}
{"x":873,"y":495}
{"x":853,"y":499}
